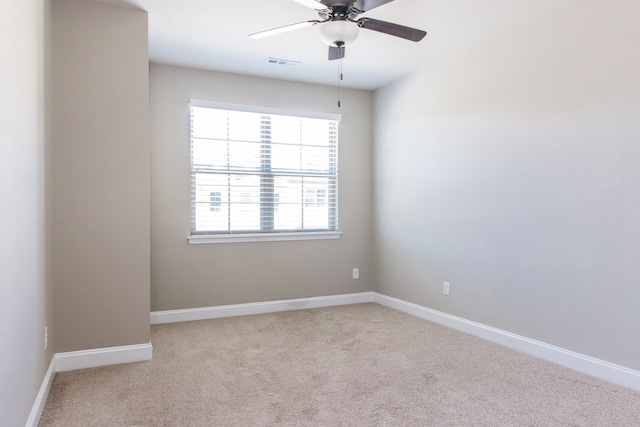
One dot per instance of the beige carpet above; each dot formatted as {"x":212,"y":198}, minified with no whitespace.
{"x":359,"y":365}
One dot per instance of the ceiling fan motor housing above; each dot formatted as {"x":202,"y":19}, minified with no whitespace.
{"x":339,"y":32}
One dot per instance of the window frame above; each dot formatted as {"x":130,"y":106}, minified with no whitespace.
{"x":259,"y":236}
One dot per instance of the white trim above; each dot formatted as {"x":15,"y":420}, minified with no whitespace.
{"x":103,"y":356}
{"x":187,"y":315}
{"x":136,"y":353}
{"x":41,"y":397}
{"x":589,"y":365}
{"x":265,"y":110}
{"x":198,"y":239}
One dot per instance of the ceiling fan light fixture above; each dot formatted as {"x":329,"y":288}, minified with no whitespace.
{"x":339,"y":32}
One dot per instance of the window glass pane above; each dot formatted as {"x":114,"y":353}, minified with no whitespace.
{"x":215,"y":201}
{"x":244,"y":126}
{"x":315,"y":159}
{"x":244,"y":156}
{"x":211,"y":153}
{"x":245,"y":202}
{"x":285,"y":158}
{"x":315,"y":132}
{"x":208,"y":123}
{"x":208,"y":219}
{"x":288,"y":211}
{"x":285,"y":129}
{"x":316,"y":208}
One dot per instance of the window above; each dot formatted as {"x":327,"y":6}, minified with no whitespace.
{"x":258,"y":171}
{"x":215,"y":201}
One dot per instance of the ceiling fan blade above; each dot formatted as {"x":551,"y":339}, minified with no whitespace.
{"x":336,"y":52}
{"x":366,"y":5}
{"x":284,"y":29}
{"x":313,"y":4}
{"x":392,"y":29}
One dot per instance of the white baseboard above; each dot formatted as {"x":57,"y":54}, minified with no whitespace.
{"x":589,"y":365}
{"x":203,"y":313}
{"x":137,"y":353}
{"x":41,"y":397}
{"x":103,"y":357}
{"x":84,"y":359}
{"x":598,"y":368}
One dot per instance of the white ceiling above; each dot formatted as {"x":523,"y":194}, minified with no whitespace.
{"x":213,"y":34}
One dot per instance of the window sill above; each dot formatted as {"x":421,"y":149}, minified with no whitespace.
{"x":199,"y":239}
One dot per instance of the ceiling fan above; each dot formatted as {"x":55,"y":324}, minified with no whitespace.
{"x":339,"y":24}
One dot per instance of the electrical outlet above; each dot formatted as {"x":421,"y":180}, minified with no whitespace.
{"x":46,"y":337}
{"x":445,"y":288}
{"x":356,"y":273}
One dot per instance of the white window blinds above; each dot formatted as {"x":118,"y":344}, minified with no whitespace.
{"x":255,"y":171}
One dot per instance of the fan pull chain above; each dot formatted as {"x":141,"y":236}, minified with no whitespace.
{"x":340,"y":84}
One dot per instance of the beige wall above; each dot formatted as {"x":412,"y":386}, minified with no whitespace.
{"x":511,"y":171}
{"x":25,"y":286}
{"x":101,"y":184}
{"x":186,"y":276}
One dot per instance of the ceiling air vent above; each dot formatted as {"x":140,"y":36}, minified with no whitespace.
{"x":285,"y":62}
